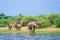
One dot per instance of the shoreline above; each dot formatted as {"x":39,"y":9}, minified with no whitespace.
{"x":25,"y":30}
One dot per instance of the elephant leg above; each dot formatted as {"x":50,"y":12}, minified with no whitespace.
{"x":29,"y":27}
{"x":33,"y":28}
{"x":10,"y":27}
{"x":18,"y":28}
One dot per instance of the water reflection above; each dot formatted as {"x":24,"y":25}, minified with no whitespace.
{"x":30,"y":36}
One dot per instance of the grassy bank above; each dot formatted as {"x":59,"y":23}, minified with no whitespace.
{"x":25,"y":30}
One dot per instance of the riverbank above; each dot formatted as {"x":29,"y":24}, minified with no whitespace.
{"x":25,"y":30}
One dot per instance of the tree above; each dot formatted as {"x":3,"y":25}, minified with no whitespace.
{"x":2,"y":15}
{"x":57,"y":21}
{"x":27,"y":18}
{"x":20,"y":17}
{"x":52,"y":17}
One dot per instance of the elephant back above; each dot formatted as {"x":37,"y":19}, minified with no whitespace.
{"x":32,"y":23}
{"x":10,"y":24}
{"x":18,"y":25}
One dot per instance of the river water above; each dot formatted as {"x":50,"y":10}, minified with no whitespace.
{"x":20,"y":36}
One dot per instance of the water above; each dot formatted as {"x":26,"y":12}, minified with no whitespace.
{"x":12,"y":36}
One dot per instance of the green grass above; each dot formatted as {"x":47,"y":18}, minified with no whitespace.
{"x":48,"y":31}
{"x":40,"y":31}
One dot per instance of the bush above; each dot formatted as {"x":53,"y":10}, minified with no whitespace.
{"x":45,"y":24}
{"x":57,"y":22}
{"x":3,"y":23}
{"x":28,"y":18}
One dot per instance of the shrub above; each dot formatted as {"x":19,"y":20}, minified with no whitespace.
{"x":57,"y":22}
{"x":3,"y":23}
{"x":28,"y":18}
{"x":45,"y":24}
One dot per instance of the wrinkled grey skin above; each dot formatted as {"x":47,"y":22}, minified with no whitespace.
{"x":18,"y":26}
{"x":10,"y":26}
{"x":32,"y":25}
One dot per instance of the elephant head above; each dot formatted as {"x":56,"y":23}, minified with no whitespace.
{"x":32,"y":25}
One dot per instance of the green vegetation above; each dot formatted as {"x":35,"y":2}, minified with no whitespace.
{"x":45,"y":20}
{"x":37,"y":31}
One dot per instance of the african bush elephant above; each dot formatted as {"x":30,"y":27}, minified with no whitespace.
{"x":32,"y":25}
{"x":18,"y":26}
{"x":10,"y":26}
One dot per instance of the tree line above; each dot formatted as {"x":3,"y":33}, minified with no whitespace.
{"x":45,"y":20}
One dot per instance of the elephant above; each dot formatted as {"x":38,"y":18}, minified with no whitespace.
{"x":18,"y":26}
{"x":10,"y":26}
{"x":32,"y":25}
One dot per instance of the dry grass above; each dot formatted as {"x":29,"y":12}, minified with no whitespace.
{"x":25,"y":30}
